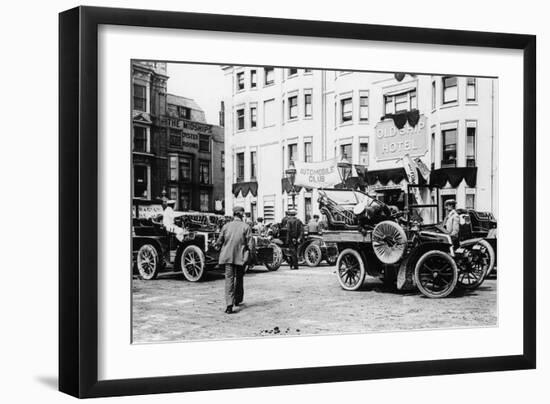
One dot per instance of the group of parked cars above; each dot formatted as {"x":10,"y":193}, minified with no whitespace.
{"x":363,"y":236}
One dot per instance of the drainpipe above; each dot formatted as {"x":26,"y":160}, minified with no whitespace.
{"x":323,"y":116}
{"x":492,"y":142}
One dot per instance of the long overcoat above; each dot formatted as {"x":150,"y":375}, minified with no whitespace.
{"x":234,"y":240}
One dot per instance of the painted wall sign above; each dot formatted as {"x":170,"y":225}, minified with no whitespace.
{"x":393,"y":143}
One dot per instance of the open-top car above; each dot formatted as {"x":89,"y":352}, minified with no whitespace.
{"x":156,"y":250}
{"x":398,"y":246}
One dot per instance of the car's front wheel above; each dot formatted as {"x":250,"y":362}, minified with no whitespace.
{"x":436,"y":274}
{"x":148,"y":262}
{"x":350,"y":269}
{"x":313,"y":255}
{"x":193,"y":263}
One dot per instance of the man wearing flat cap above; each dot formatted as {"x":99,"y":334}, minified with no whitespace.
{"x":295,"y":230}
{"x":234,"y":240}
{"x":451,"y":223}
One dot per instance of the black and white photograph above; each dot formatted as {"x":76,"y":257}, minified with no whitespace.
{"x":287,"y":201}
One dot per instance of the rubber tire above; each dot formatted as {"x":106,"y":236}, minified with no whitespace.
{"x":198,"y":251}
{"x":492,"y":256}
{"x":157,"y":265}
{"x":276,"y":264}
{"x":317,"y":261}
{"x":362,"y":271}
{"x":489,"y":269}
{"x":420,"y":262}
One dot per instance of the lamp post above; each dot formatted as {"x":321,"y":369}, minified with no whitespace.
{"x":291,"y":175}
{"x":344,"y":169}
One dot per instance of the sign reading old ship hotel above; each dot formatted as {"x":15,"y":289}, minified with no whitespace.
{"x":447,"y":124}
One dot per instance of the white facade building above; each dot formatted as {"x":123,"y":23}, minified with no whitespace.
{"x":274,"y":115}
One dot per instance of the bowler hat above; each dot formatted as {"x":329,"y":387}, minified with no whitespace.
{"x":238,"y":209}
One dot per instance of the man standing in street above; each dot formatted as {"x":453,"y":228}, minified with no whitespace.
{"x":234,"y":240}
{"x":313,"y":225}
{"x":294,"y":234}
{"x":451,"y":223}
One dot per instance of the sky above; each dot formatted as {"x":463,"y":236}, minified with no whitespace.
{"x":203,"y":83}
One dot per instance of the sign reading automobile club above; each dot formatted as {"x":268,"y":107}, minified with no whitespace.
{"x":392,"y":143}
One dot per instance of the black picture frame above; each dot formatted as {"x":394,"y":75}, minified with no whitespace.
{"x":78,"y":207}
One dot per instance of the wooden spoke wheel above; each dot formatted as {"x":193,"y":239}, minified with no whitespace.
{"x":436,"y":274}
{"x":350,"y":269}
{"x":313,"y":254}
{"x":477,"y":266}
{"x":148,"y":262}
{"x":389,"y":242}
{"x":277,"y":259}
{"x":193,"y":263}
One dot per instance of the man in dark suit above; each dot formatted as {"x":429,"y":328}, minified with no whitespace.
{"x":234,"y":240}
{"x":294,"y":235}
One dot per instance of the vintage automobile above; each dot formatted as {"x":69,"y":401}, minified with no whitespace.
{"x":398,"y":246}
{"x":311,"y":251}
{"x":156,"y":250}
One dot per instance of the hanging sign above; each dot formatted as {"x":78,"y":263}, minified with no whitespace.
{"x":322,"y":174}
{"x":392,"y":143}
{"x":412,"y":175}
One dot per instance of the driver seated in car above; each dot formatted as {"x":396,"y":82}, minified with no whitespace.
{"x":168,"y":216}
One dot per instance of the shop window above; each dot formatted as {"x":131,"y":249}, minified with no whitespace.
{"x":204,"y":143}
{"x":185,"y":169}
{"x":253,"y":164}
{"x":450,"y":90}
{"x":363,"y":106}
{"x":269,"y":75}
{"x":204,"y":172}
{"x":449,"y":148}
{"x":308,"y":108}
{"x":141,"y":139}
{"x":140,"y":98}
{"x":470,"y":147}
{"x":141,"y":181}
{"x":240,"y":119}
{"x":253,"y":79}
{"x":240,"y":167}
{"x":240,"y":81}
{"x":308,"y":152}
{"x":471,"y":90}
{"x":293,"y":107}
{"x":347,"y":109}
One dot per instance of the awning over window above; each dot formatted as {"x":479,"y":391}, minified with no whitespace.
{"x":287,"y":187}
{"x":454,"y":175}
{"x":396,"y":175}
{"x":401,"y":118}
{"x":245,"y":188}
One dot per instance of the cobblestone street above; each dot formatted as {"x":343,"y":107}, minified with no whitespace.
{"x":309,"y":301}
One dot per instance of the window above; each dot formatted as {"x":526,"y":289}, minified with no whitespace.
{"x":140,"y":98}
{"x":307,"y":71}
{"x":471,"y":91}
{"x":240,"y":167}
{"x":141,"y":182}
{"x":204,"y":143}
{"x":173,"y":194}
{"x":205,"y":201}
{"x":173,"y":168}
{"x":364,"y":153}
{"x":240,"y":119}
{"x":449,"y":148}
{"x":307,"y":206}
{"x":470,"y":147}
{"x":433,"y":95}
{"x":222,"y":157}
{"x":347,"y":109}
{"x":141,"y":141}
{"x":240,"y":81}
{"x":184,"y":112}
{"x":185,"y":169}
{"x":450,"y":90}
{"x":292,"y":152}
{"x":293,"y":107}
{"x":470,"y":201}
{"x":433,"y":150}
{"x":308,"y":152}
{"x":401,"y":102}
{"x":363,"y":106}
{"x":252,"y":165}
{"x":269,"y":113}
{"x":345,"y":151}
{"x":185,"y":200}
{"x":308,"y":109}
{"x":253,"y":117}
{"x":204,"y":172}
{"x":269,"y":75}
{"x":253,"y":79}
{"x":292,"y":72}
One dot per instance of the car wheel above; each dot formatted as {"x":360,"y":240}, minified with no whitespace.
{"x":147,"y":262}
{"x":275,"y":264}
{"x":474,"y":271}
{"x":435,"y":274}
{"x":313,"y":255}
{"x":193,"y":263}
{"x":350,"y":269}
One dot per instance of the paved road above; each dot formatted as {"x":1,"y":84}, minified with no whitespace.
{"x":304,"y":302}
